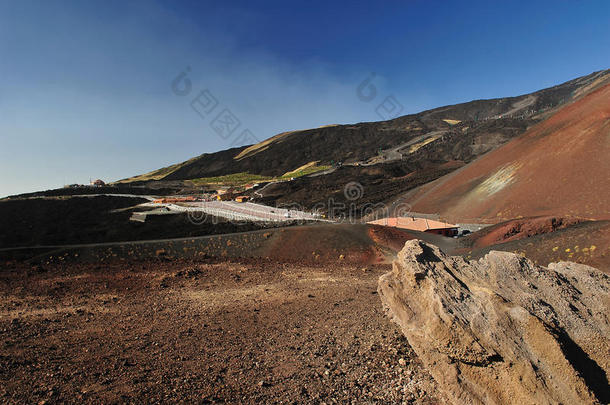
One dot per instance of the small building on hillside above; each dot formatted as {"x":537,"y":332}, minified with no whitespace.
{"x":98,"y":183}
{"x":224,"y":196}
{"x":419,"y":224}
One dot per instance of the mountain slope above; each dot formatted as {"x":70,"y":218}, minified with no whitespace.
{"x":558,"y":167}
{"x":459,"y":132}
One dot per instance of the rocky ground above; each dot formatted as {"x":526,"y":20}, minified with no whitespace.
{"x":249,"y":331}
{"x":544,"y":240}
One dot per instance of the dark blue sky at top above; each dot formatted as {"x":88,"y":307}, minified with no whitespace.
{"x":85,"y":85}
{"x":516,"y":45}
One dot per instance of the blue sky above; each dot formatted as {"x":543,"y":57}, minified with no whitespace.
{"x":86,"y":86}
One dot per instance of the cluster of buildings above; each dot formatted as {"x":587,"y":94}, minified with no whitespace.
{"x":229,"y":194}
{"x":233,"y":193}
{"x":225,"y":194}
{"x":92,"y":183}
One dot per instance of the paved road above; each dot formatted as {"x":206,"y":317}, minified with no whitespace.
{"x":392,"y":154}
{"x":395,"y":151}
{"x":244,"y":211}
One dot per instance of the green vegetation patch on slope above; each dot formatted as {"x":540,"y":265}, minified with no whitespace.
{"x":239,"y":179}
{"x":306,"y":169}
{"x":234,"y":179}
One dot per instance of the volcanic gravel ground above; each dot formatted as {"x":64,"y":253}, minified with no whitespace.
{"x":251,"y":331}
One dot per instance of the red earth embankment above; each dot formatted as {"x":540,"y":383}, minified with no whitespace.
{"x":519,"y":229}
{"x":544,"y":241}
{"x":354,"y":243}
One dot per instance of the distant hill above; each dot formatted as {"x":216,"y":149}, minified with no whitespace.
{"x":459,"y":132}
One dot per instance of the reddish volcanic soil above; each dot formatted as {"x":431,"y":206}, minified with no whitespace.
{"x":559,"y":167}
{"x":249,"y":331}
{"x":519,"y":229}
{"x":354,"y":243}
{"x":317,"y":243}
{"x":581,"y":242}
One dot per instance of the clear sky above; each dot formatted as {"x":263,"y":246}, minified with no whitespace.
{"x":86,"y":86}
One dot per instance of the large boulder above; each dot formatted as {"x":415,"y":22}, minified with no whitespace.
{"x":502,"y":330}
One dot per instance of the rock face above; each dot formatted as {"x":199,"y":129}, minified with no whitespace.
{"x":502,"y":330}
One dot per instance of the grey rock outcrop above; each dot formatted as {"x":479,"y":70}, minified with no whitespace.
{"x":502,"y":330}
